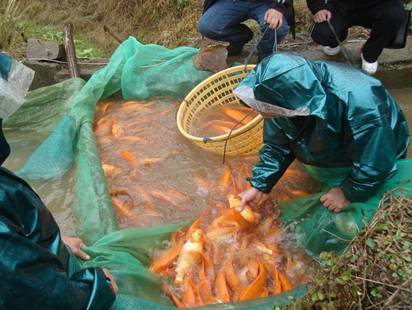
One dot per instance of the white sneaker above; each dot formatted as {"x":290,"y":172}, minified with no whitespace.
{"x":369,"y":67}
{"x":331,"y":51}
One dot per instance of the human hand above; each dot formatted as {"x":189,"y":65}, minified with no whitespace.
{"x":75,"y":244}
{"x":273,"y":18}
{"x":252,"y":197}
{"x":112,"y":280}
{"x":335,"y":200}
{"x":322,"y":16}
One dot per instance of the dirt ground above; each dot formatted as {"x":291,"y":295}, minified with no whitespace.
{"x":169,"y":23}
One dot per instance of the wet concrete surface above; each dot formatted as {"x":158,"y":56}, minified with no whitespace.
{"x":394,"y":64}
{"x":353,"y":48}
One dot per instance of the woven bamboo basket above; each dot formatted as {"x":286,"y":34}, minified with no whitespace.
{"x":213,"y":92}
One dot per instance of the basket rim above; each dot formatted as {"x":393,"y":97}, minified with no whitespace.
{"x":223,"y":137}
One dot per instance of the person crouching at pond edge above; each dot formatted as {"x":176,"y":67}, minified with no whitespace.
{"x":326,"y":115}
{"x":384,"y":18}
{"x":222,"y":20}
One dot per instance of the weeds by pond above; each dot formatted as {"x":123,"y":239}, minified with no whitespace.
{"x":375,"y":272}
{"x":170,"y":23}
{"x":8,"y":19}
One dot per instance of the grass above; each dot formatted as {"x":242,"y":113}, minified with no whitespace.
{"x":170,"y":23}
{"x":84,"y":47}
{"x":8,"y":18}
{"x":376,"y":270}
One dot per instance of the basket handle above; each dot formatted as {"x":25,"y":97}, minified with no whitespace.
{"x":253,"y":50}
{"x":230,"y":134}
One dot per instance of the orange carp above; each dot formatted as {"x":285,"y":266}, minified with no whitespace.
{"x":130,"y":158}
{"x":234,"y":256}
{"x":228,"y":254}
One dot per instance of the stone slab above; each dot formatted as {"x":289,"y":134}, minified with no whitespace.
{"x":46,"y":50}
{"x":49,"y":73}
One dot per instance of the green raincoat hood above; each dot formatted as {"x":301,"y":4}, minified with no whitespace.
{"x":285,"y":84}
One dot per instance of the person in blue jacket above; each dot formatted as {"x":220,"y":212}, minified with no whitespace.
{"x":35,"y":262}
{"x":324,"y":114}
{"x":223,"y":20}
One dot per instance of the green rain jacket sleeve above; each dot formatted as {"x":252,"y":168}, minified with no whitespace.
{"x":33,"y":259}
{"x":374,"y":157}
{"x":275,"y":157}
{"x":38,"y":282}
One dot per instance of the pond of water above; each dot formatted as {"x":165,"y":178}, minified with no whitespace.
{"x":58,"y":194}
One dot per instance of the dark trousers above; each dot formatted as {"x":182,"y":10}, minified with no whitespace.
{"x":384,"y":20}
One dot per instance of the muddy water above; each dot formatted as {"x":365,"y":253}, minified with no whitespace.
{"x":403,"y":97}
{"x":56,"y":194}
{"x":221,"y":120}
{"x":155,"y":176}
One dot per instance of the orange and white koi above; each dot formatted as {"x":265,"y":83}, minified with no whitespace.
{"x":190,"y":255}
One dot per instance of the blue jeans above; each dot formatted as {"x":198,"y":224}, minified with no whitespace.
{"x":223,"y":22}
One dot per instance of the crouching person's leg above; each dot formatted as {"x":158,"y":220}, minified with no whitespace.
{"x":222,"y":21}
{"x":386,"y":20}
{"x":269,"y":19}
{"x":323,"y":35}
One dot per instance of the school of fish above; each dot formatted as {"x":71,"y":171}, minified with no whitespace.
{"x":137,"y":151}
{"x":227,"y":254}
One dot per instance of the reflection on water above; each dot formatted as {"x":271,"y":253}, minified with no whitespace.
{"x":403,"y":97}
{"x":178,"y":165}
{"x":155,"y":176}
{"x":56,"y":194}
{"x":221,"y":120}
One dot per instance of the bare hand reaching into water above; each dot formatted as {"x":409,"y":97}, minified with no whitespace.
{"x":75,"y":244}
{"x":335,"y":200}
{"x":252,"y":197}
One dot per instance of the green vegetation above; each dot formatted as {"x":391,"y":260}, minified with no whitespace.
{"x":375,"y":272}
{"x":170,"y":23}
{"x":8,"y":18}
{"x":84,"y":48}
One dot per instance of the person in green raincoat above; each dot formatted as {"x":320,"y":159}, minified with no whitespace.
{"x":34,"y":260}
{"x":327,"y":115}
